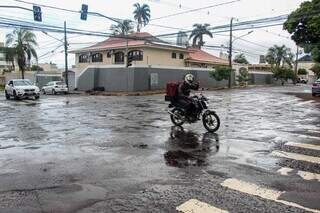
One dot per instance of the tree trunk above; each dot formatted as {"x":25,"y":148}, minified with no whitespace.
{"x":22,"y":73}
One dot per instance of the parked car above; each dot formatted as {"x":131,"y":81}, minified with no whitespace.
{"x":21,"y":88}
{"x":55,"y":87}
{"x":316,"y":88}
{"x":302,"y":81}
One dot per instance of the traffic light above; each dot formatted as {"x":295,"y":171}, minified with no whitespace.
{"x":84,"y":12}
{"x":37,"y":14}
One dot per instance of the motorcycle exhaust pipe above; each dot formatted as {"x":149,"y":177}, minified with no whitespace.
{"x":174,"y":115}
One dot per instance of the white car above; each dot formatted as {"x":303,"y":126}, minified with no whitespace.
{"x":21,"y":88}
{"x":55,"y":87}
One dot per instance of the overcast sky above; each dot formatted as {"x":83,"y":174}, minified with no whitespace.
{"x":243,"y":10}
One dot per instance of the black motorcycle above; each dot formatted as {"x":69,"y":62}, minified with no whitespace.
{"x":179,"y":116}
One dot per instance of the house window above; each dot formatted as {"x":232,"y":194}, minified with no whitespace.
{"x":119,"y":58}
{"x":181,"y":56}
{"x":174,"y":55}
{"x":97,"y":57}
{"x":84,"y":58}
{"x":135,"y":55}
{"x":108,"y":54}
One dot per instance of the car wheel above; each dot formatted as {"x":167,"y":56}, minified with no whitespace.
{"x":313,"y":94}
{"x":36,"y":97}
{"x":54,"y":92}
{"x":43,"y":91}
{"x":15,"y":95}
{"x":7,"y":95}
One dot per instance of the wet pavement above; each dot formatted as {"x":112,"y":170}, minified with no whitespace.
{"x":122,"y":154}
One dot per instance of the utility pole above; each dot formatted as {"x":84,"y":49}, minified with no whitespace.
{"x":66,"y":54}
{"x":230,"y":53}
{"x":296,"y":66}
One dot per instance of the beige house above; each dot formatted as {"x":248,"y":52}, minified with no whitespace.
{"x":143,"y":50}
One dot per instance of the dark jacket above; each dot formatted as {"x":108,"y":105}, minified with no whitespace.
{"x":185,"y":88}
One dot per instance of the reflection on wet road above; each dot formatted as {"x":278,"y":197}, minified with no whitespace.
{"x":121,"y":154}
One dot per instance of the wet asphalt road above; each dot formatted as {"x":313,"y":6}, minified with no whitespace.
{"x":121,"y":154}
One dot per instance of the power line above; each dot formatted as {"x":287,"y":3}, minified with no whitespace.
{"x":194,"y":10}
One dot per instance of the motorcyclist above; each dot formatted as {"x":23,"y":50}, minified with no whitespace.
{"x":184,"y":90}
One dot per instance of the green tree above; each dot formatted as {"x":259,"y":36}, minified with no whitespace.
{"x":10,"y":54}
{"x":220,"y":73}
{"x":36,"y":68}
{"x":141,"y":15}
{"x":302,"y":71}
{"x":283,"y":74}
{"x":122,"y":29}
{"x":243,"y":76}
{"x":279,"y":56}
{"x":304,"y":26}
{"x":316,"y":70}
{"x":24,"y":43}
{"x":241,"y":59}
{"x":197,"y":34}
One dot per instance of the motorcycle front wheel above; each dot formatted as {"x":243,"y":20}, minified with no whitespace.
{"x":177,"y":117}
{"x":211,"y":121}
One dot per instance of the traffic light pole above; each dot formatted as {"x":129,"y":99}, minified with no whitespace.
{"x":66,"y":54}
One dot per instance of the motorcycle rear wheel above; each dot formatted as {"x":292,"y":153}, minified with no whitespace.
{"x":211,"y":121}
{"x":177,"y":117}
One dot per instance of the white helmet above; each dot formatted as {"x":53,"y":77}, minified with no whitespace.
{"x":189,"y":78}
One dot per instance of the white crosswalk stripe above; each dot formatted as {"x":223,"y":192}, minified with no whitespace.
{"x":196,"y":206}
{"x":295,"y":156}
{"x":265,"y":193}
{"x":304,"y":145}
{"x":303,"y":174}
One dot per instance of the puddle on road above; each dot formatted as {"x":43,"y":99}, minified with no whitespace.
{"x":186,"y":148}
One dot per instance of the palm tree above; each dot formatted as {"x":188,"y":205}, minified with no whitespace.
{"x":122,"y":29}
{"x":142,"y":15}
{"x":241,"y":59}
{"x":197,"y":34}
{"x":24,"y":43}
{"x":279,"y":56}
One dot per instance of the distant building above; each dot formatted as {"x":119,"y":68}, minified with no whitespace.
{"x":224,"y":56}
{"x":262,"y":59}
{"x":306,"y":62}
{"x":182,"y":39}
{"x":4,"y":65}
{"x":49,"y":67}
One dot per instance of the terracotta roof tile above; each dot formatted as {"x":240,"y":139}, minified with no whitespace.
{"x":202,"y":56}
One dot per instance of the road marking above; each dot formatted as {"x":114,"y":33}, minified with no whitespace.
{"x":309,"y":175}
{"x":303,"y":145}
{"x":314,"y":131}
{"x":284,"y":171}
{"x":196,"y":206}
{"x":265,"y":193}
{"x":295,"y":156}
{"x":309,"y":137}
{"x":303,"y":103}
{"x":305,"y":175}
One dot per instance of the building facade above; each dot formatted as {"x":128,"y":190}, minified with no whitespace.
{"x":306,"y":63}
{"x":143,"y":50}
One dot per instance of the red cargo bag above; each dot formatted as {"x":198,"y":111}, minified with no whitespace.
{"x":171,"y":91}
